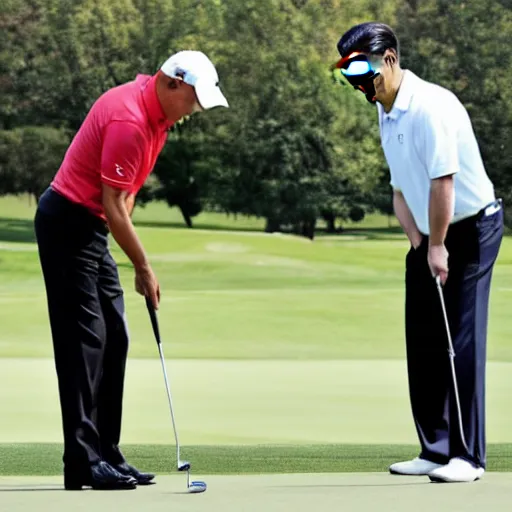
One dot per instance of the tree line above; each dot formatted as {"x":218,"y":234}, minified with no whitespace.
{"x":294,"y":147}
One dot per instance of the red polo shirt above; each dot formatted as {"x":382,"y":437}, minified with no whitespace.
{"x":117,"y":144}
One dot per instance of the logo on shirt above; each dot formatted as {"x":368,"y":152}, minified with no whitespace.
{"x":119,"y":170}
{"x":401,"y":138}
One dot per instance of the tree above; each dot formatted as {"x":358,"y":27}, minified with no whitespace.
{"x":178,"y":171}
{"x":293,"y":147}
{"x":34,"y":155}
{"x":465,"y":46}
{"x":10,"y":144}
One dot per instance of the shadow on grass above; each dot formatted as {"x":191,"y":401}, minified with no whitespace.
{"x":364,"y":233}
{"x":381,"y":230}
{"x":378,"y":233}
{"x":17,"y":230}
{"x":30,"y":489}
{"x":205,"y":227}
{"x":22,"y":230}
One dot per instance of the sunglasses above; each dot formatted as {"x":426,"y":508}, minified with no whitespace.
{"x":356,"y":68}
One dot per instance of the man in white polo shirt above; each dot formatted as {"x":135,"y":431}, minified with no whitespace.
{"x":446,"y":205}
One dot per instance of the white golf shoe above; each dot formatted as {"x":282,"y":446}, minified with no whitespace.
{"x":415,"y":466}
{"x":457,"y":470}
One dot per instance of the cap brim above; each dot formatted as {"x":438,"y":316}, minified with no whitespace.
{"x":210,"y":95}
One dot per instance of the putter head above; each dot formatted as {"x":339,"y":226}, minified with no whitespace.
{"x":183,"y":465}
{"x":197,"y":487}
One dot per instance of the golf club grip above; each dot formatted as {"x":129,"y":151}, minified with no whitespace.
{"x":154,"y":319}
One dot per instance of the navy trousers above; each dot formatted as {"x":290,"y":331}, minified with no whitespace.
{"x":87,"y":318}
{"x":473,"y":245}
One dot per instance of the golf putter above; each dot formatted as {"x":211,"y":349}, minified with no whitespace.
{"x":451,"y":353}
{"x":182,"y":465}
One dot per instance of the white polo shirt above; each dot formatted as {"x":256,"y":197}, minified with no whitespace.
{"x":428,"y":134}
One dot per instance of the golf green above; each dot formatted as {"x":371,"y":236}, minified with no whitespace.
{"x":348,"y":492}
{"x":285,"y":356}
{"x":245,"y":402}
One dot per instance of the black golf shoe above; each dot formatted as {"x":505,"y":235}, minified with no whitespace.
{"x":99,"y":476}
{"x":127,"y":470}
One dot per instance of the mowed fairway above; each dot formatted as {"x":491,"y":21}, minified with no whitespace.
{"x":285,"y":356}
{"x":246,"y":295}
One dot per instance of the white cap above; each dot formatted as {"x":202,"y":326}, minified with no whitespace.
{"x":197,"y":70}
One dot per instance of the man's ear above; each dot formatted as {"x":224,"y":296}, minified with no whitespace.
{"x":390,"y":57}
{"x":173,"y":84}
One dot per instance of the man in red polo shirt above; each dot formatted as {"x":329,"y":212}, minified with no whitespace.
{"x":92,"y":194}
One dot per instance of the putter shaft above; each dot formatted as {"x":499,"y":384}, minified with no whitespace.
{"x":181,"y":465}
{"x":451,"y":353}
{"x":162,"y":359}
{"x":156,"y":332}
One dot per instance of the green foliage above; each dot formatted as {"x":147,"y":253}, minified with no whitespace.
{"x":465,"y":46}
{"x":30,"y":157}
{"x":179,"y":172}
{"x":10,"y":143}
{"x":293,"y":147}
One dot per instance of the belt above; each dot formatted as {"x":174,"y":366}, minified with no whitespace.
{"x":486,"y":211}
{"x":492,"y":208}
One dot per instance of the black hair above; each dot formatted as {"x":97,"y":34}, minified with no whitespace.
{"x":372,"y":37}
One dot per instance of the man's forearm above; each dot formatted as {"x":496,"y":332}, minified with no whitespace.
{"x":405,"y":218}
{"x":440,"y":209}
{"x":130,"y":203}
{"x":122,"y":230}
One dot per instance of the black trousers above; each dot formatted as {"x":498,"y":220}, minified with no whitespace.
{"x":87,"y":318}
{"x":473,"y":245}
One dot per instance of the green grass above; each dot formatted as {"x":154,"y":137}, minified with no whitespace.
{"x":45,"y":459}
{"x":285,"y":355}
{"x":159,"y":214}
{"x":245,"y":402}
{"x":353,"y":415}
{"x":248,"y":295}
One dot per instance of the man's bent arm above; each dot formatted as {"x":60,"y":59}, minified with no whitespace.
{"x":121,"y":227}
{"x":440,"y":208}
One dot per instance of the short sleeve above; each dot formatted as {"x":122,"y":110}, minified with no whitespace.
{"x":439,"y":141}
{"x":122,"y":154}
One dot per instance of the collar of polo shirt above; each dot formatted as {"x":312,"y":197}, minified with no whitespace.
{"x":403,"y":97}
{"x":155,"y":111}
